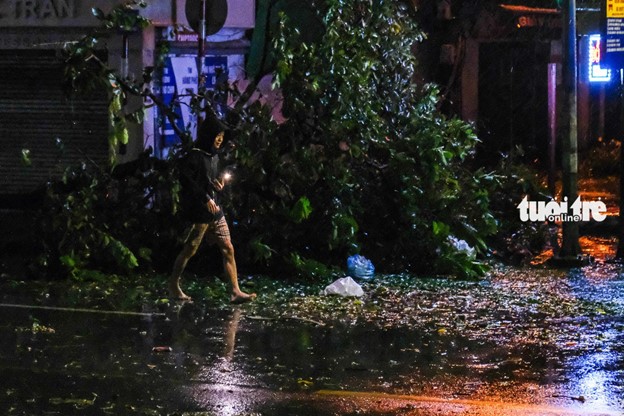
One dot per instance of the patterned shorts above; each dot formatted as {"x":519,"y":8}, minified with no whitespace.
{"x":216,"y":232}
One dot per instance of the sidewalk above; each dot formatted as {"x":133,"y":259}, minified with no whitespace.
{"x":599,"y":239}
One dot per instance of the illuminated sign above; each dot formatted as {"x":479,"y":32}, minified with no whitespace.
{"x":613,"y":29}
{"x":596,"y":72}
{"x":615,"y":8}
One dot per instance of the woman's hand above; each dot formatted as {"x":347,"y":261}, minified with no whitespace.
{"x":218,"y":185}
{"x":212,"y":206}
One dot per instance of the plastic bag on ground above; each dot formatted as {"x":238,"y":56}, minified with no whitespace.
{"x":461,"y":245}
{"x":344,"y":287}
{"x":360,"y":267}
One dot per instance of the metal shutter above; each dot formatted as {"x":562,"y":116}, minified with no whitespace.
{"x":34,"y":113}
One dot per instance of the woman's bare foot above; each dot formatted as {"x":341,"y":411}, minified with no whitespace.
{"x":242,"y":297}
{"x":176,"y":293}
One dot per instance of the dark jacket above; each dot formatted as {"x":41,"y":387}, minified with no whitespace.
{"x":198,"y":170}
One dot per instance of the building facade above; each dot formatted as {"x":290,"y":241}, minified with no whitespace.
{"x":42,"y":131}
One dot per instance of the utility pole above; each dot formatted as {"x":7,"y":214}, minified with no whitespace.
{"x":620,"y":250}
{"x":205,"y":17}
{"x":201,"y":51}
{"x":570,"y":246}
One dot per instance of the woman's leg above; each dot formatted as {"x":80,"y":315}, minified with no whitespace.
{"x":191,"y":244}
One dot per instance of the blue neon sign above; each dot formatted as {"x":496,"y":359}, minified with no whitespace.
{"x":597,"y":73}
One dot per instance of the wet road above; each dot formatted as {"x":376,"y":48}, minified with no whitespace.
{"x":199,"y":360}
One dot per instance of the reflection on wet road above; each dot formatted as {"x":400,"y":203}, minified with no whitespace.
{"x":508,"y":359}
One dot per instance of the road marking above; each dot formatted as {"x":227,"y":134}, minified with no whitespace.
{"x":467,"y":402}
{"x":81,"y":310}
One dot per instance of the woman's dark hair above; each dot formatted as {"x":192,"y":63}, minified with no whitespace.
{"x":208,"y":131}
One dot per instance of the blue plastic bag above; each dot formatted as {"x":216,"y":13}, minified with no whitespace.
{"x":360,"y":267}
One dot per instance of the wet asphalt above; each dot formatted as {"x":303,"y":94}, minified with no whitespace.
{"x":191,"y":359}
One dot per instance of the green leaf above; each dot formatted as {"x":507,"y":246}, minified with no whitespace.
{"x":301,"y":210}
{"x":122,"y":135}
{"x":260,"y":250}
{"x":68,"y":261}
{"x":440,"y":229}
{"x":25,"y":157}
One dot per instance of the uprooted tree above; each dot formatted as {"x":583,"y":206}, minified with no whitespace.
{"x":364,"y":163}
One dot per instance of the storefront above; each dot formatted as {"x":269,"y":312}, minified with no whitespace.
{"x":511,"y":81}
{"x":39,"y":125}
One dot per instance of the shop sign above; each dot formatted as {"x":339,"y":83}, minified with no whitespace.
{"x":179,"y":83}
{"x":63,"y":13}
{"x":614,"y":34}
{"x":597,"y":71}
{"x":39,"y":12}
